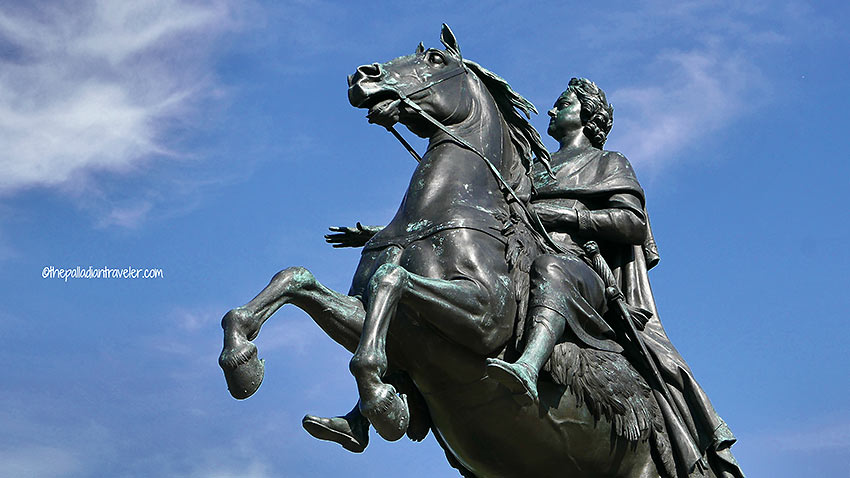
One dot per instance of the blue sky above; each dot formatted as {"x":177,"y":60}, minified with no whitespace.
{"x":215,"y":141}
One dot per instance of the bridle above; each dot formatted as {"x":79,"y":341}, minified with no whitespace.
{"x":507,"y":190}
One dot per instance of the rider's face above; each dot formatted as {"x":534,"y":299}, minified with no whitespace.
{"x":565,"y":116}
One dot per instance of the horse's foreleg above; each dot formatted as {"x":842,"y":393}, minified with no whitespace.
{"x":469,"y":311}
{"x":340,"y":316}
{"x":474,"y":313}
{"x":379,"y":402}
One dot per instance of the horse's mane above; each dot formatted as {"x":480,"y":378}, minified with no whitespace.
{"x":523,"y":243}
{"x":525,"y":138}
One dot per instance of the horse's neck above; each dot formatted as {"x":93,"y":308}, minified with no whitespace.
{"x":452,"y":184}
{"x":483,"y":129}
{"x":486,"y":130}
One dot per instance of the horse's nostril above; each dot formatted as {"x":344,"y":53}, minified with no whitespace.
{"x":370,"y":71}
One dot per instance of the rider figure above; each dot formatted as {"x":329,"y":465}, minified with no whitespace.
{"x":566,"y":295}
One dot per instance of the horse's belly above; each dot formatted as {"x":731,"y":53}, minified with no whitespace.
{"x":496,"y":438}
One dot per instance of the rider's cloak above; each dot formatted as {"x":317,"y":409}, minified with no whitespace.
{"x":700,"y":438}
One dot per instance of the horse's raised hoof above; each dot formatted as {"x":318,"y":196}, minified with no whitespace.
{"x":242,"y":369}
{"x":516,"y":377}
{"x":387,"y":412}
{"x":353,"y":435}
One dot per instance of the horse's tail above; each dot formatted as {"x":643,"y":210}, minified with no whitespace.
{"x":608,"y":386}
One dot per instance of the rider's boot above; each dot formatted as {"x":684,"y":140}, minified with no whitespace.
{"x":520,"y":377}
{"x":351,"y":431}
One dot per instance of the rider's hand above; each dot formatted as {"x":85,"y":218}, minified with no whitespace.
{"x":351,"y":236}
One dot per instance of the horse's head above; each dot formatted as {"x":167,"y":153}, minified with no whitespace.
{"x":435,"y":80}
{"x":450,"y":90}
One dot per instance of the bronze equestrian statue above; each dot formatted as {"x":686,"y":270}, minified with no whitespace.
{"x":467,"y":318}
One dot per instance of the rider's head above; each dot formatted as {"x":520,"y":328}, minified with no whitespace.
{"x":597,"y":115}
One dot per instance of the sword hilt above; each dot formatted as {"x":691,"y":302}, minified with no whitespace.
{"x":591,"y":248}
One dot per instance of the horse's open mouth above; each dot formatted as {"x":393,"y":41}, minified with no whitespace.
{"x":384,"y":111}
{"x":383,"y":108}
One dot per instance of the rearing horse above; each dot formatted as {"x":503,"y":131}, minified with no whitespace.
{"x":434,"y":294}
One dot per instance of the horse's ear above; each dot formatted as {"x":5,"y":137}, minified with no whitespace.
{"x":448,"y":39}
{"x":420,"y":49}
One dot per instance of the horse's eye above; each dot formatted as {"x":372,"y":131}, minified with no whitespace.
{"x":435,"y":58}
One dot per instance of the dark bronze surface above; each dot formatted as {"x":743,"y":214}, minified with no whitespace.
{"x":464,"y":281}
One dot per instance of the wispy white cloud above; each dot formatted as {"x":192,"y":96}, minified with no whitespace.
{"x":710,"y":73}
{"x":87,"y":448}
{"x":237,"y":457}
{"x":33,"y":446}
{"x":193,"y":319}
{"x":38,"y":461}
{"x":6,"y":250}
{"x":702,"y":91}
{"x":127,"y":217}
{"x":92,"y":86}
{"x":192,"y":333}
{"x":251,"y":468}
{"x":834,"y":435}
{"x":295,"y":336}
{"x":289,"y":329}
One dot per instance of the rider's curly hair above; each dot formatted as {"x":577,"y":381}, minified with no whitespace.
{"x":597,"y":114}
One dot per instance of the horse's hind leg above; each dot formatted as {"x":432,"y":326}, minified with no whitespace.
{"x":340,"y":316}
